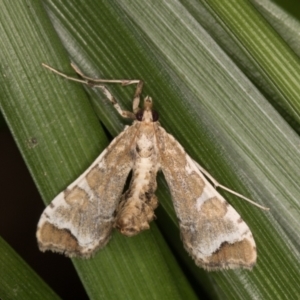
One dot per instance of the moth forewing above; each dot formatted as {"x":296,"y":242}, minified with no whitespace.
{"x":80,"y":219}
{"x":212,"y":231}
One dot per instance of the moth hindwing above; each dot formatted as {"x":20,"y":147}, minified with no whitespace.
{"x":79,"y":221}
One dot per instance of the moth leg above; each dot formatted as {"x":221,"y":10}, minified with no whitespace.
{"x":137,"y":94}
{"x":96,"y":83}
{"x":217,"y":184}
{"x":204,"y":172}
{"x":111,"y":98}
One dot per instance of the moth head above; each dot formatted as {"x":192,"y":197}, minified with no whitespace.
{"x":147,"y":114}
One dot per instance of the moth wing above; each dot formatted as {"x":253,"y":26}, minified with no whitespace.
{"x":80,"y":219}
{"x":212,"y":231}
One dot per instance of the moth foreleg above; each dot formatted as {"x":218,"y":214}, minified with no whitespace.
{"x":95,"y":82}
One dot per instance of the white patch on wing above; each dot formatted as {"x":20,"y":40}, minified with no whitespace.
{"x":208,"y":192}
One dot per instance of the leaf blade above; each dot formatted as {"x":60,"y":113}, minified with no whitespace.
{"x":13,"y":272}
{"x":58,"y":135}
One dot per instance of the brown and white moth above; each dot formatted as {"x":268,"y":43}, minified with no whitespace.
{"x":80,"y":220}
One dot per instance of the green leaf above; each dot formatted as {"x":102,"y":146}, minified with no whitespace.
{"x":285,"y":24}
{"x":277,"y":63}
{"x":58,"y":134}
{"x":18,"y":280}
{"x":205,"y":100}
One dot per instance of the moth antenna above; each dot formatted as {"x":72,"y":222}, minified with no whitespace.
{"x":88,"y":80}
{"x":98,"y":83}
{"x":64,"y":75}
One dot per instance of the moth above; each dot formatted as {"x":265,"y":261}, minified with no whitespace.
{"x":80,"y":219}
